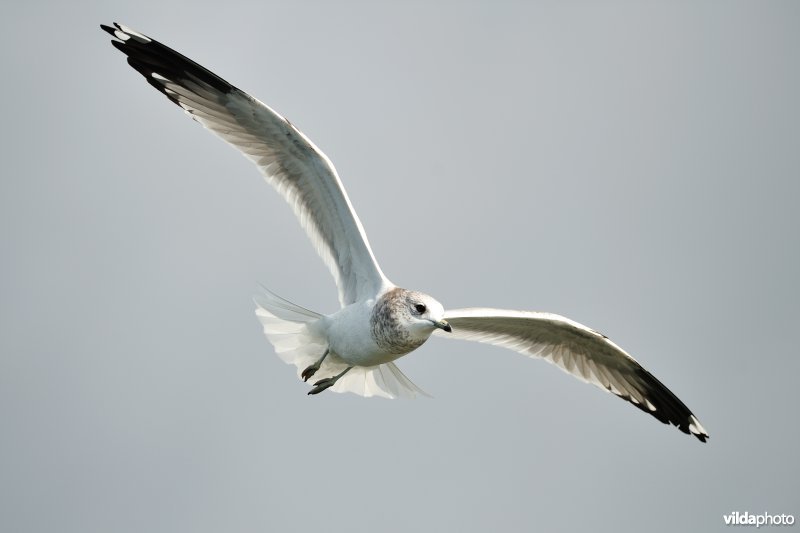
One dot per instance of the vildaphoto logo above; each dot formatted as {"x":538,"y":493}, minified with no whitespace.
{"x":764,"y":519}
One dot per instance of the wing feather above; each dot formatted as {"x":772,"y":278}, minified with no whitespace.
{"x":289,"y":161}
{"x":579,"y":351}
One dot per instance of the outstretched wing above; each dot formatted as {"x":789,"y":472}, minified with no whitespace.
{"x":288,"y":159}
{"x":579,"y":351}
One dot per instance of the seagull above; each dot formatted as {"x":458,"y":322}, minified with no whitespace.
{"x":354,"y":348}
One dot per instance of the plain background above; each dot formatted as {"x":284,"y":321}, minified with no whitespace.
{"x":631,"y":165}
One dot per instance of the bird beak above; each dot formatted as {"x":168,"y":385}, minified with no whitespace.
{"x":442,"y":324}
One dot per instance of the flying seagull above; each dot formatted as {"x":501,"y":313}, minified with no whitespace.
{"x":354,"y":349}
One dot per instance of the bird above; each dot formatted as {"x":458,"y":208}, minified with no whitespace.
{"x":355,"y":348}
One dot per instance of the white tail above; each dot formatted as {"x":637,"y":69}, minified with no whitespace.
{"x":291,"y":331}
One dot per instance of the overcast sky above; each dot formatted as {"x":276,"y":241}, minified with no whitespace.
{"x":631,"y":165}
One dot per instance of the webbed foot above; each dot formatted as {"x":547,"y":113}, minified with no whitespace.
{"x":326,"y":383}
{"x":312,"y":369}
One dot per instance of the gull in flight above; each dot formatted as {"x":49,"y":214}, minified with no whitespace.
{"x":354,"y":349}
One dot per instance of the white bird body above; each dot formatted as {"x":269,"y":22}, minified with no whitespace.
{"x":354,"y":349}
{"x":347,"y":332}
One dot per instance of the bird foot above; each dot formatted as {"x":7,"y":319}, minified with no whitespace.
{"x":322,"y":384}
{"x":310,"y":371}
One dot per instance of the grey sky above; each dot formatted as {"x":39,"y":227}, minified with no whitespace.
{"x":633,"y":166}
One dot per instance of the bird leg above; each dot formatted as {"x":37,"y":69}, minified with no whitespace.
{"x":312,"y":369}
{"x":323,"y":384}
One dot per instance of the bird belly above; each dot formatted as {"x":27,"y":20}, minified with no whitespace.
{"x":350,"y":338}
{"x":356,"y":347}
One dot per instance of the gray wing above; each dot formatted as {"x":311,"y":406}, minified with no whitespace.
{"x":579,"y":351}
{"x":288,"y":159}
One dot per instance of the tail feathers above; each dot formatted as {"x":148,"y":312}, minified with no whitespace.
{"x":294,"y":341}
{"x":386,"y":381}
{"x":284,"y":309}
{"x":290,"y":329}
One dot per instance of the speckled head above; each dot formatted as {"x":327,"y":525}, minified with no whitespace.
{"x":402,"y":320}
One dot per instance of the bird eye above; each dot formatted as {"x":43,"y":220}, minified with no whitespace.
{"x":420,"y":308}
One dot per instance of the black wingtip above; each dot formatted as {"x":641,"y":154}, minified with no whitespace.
{"x":148,"y":55}
{"x":699,"y":430}
{"x":108,"y":29}
{"x":664,"y":405}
